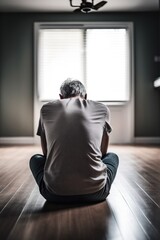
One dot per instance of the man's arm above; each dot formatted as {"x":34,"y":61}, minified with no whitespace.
{"x":104,"y":143}
{"x":43,"y":143}
{"x":41,"y":133}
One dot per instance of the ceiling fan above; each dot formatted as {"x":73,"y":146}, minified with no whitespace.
{"x":87,"y":6}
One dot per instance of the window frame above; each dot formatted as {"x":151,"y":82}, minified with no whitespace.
{"x":88,"y":25}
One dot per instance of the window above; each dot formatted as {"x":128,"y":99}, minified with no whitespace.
{"x":99,"y":56}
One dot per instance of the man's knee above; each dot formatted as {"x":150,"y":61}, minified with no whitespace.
{"x":114,"y":158}
{"x":34,"y":160}
{"x":111,"y":159}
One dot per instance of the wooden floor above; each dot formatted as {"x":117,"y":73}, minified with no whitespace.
{"x":131,"y":212}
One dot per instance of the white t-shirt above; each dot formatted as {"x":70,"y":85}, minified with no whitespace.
{"x":73,"y":128}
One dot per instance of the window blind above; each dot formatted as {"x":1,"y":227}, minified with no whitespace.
{"x":97,"y":57}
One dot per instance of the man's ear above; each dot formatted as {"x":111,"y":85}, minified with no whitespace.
{"x":85,"y":97}
{"x":61,"y":97}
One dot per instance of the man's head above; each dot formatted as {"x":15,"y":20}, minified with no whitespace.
{"x":72,"y":88}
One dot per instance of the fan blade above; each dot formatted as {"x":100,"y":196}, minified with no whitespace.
{"x":99,"y":5}
{"x":78,"y":10}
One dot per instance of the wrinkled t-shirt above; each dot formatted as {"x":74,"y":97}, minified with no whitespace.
{"x":73,"y":128}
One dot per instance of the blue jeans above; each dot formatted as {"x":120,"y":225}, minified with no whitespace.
{"x":37,"y":163}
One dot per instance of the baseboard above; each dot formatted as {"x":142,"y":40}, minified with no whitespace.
{"x":147,"y":140}
{"x":17,"y":140}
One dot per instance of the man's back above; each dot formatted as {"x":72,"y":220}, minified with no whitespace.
{"x":74,"y":129}
{"x":75,"y":165}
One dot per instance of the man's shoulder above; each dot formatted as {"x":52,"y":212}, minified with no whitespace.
{"x":51,"y":104}
{"x":98,"y":105}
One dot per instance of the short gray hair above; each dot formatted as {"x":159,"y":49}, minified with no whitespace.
{"x":72,"y":88}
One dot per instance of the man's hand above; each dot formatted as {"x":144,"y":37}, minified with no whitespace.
{"x":104,"y":143}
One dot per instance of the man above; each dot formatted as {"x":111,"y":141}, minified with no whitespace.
{"x":75,"y":165}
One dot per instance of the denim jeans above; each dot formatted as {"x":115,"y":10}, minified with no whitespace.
{"x":37,"y":163}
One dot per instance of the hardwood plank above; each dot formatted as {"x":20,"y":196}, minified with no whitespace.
{"x":139,"y":192}
{"x":142,"y":207}
{"x":11,"y":211}
{"x":50,"y":221}
{"x":132,"y":210}
{"x":126,"y":220}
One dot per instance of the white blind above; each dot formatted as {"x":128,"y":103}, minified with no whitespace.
{"x":60,"y":55}
{"x":97,"y":57}
{"x":107,"y":70}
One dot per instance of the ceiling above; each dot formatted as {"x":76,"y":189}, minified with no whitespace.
{"x":64,"y":5}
